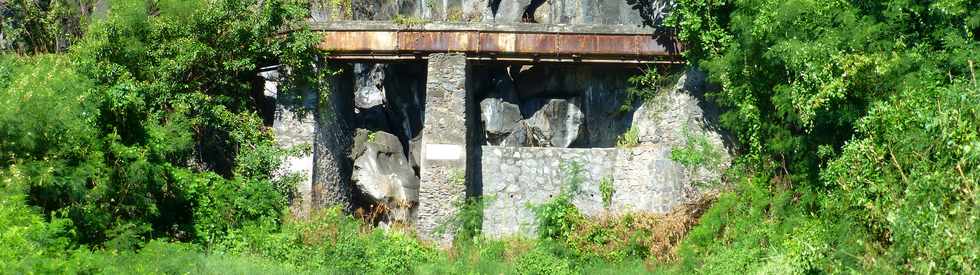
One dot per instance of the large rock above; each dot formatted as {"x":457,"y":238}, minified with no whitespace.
{"x":518,"y":137}
{"x":368,"y":96}
{"x":498,"y":118}
{"x":676,"y":116}
{"x":384,"y":174}
{"x":559,"y":123}
{"x":368,"y":84}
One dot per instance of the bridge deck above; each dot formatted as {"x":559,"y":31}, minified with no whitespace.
{"x":381,"y":41}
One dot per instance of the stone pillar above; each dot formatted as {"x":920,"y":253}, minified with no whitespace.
{"x":334,"y":138}
{"x":443,"y":161}
{"x":294,"y":127}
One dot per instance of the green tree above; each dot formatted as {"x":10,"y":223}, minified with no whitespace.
{"x":148,"y":127}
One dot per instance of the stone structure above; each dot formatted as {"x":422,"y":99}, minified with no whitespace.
{"x":443,"y":160}
{"x":471,"y":110}
{"x":644,"y":179}
{"x":643,"y":176}
{"x":332,"y":146}
{"x":294,"y":127}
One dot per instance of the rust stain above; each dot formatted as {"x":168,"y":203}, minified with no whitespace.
{"x":497,"y":43}
{"x":505,"y":44}
{"x":615,"y":45}
{"x":536,"y":44}
{"x":576,"y":44}
{"x":349,"y":41}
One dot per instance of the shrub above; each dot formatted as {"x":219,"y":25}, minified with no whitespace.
{"x":698,"y":151}
{"x":630,"y":138}
{"x":542,"y":262}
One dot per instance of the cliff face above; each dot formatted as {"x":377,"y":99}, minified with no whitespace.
{"x":578,"y":12}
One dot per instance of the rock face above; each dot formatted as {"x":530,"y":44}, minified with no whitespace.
{"x":559,"y":123}
{"x":388,"y":109}
{"x":294,"y":126}
{"x":384,"y":174}
{"x":499,"y":118}
{"x":607,"y":12}
{"x":678,"y":116}
{"x":368,"y":81}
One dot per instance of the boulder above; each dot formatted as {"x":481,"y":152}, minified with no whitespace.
{"x":499,"y":118}
{"x":518,"y":136}
{"x":559,"y":123}
{"x":368,"y":80}
{"x":368,"y":96}
{"x":384,"y":174}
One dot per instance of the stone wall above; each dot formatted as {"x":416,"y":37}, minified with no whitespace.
{"x":644,"y":179}
{"x":643,"y":175}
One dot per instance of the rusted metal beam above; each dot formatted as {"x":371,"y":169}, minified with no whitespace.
{"x":503,"y":43}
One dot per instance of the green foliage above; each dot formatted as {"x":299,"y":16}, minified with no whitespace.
{"x":607,"y":190}
{"x":33,"y":27}
{"x":455,"y":14}
{"x":333,"y":241}
{"x":409,"y":21}
{"x":858,"y":123}
{"x":557,"y":218}
{"x":28,"y":241}
{"x":457,"y":177}
{"x":146,"y":128}
{"x":540,"y":261}
{"x":467,"y":224}
{"x":912,"y":174}
{"x":697,"y":152}
{"x":345,"y":8}
{"x":630,"y":138}
{"x":644,"y":87}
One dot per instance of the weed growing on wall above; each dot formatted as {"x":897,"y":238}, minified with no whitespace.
{"x":607,"y":190}
{"x":343,"y":8}
{"x":454,"y":14}
{"x":631,"y":138}
{"x":467,"y":224}
{"x":557,"y":217}
{"x":409,"y":21}
{"x":698,"y":151}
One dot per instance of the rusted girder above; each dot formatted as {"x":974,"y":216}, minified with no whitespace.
{"x":512,"y":43}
